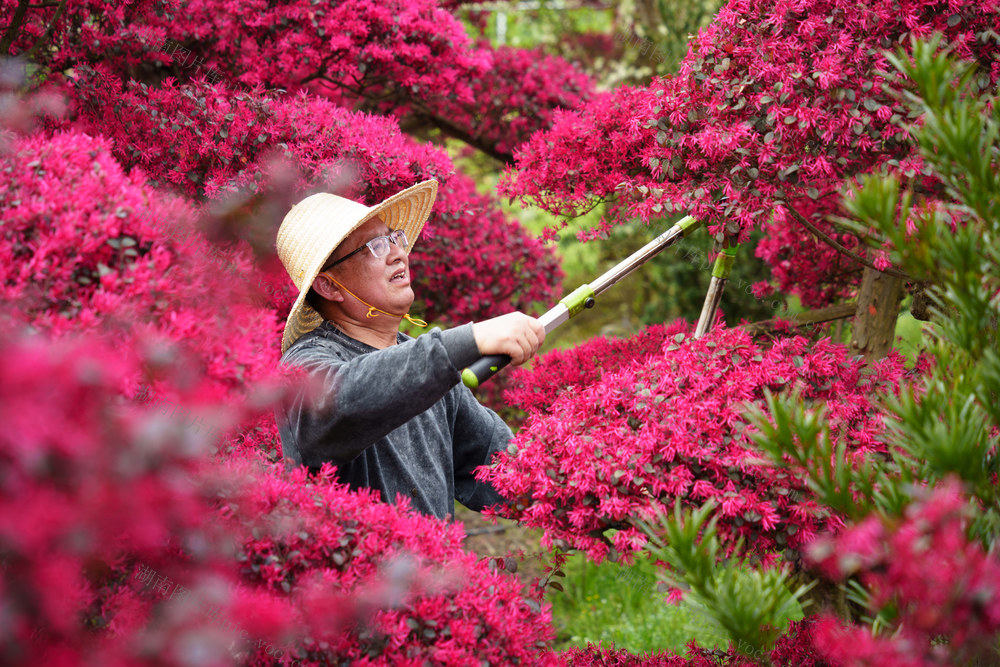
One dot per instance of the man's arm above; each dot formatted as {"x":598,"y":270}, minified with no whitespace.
{"x":350,"y":404}
{"x":479,"y":432}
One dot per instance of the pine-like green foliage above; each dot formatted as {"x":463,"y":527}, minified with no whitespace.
{"x":750,"y":606}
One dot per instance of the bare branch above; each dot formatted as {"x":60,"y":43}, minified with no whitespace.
{"x":48,"y":31}
{"x":13,"y":28}
{"x":810,"y":317}
{"x":825,"y":238}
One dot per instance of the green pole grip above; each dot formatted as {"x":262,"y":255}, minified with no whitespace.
{"x":688,"y":225}
{"x":724,"y":263}
{"x":482,"y":369}
{"x":580,"y":298}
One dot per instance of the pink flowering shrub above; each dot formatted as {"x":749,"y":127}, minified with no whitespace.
{"x":69,"y":33}
{"x":655,"y":427}
{"x":560,"y":372}
{"x":92,"y":485}
{"x":90,"y":248}
{"x":347,"y":50}
{"x":411,"y":60}
{"x":209,"y":145}
{"x":368,"y":580}
{"x":207,"y":141}
{"x":775,"y":105}
{"x":925,"y":575}
{"x":546,"y":175}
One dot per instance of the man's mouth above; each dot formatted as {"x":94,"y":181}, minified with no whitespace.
{"x":399,"y":275}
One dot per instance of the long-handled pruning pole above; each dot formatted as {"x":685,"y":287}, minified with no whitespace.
{"x":584,"y":297}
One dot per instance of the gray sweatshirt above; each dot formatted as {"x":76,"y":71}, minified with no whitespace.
{"x":397,"y":420}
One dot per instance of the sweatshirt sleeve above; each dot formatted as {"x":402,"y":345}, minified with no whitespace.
{"x":350,"y":403}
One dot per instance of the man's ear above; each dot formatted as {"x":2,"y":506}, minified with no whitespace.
{"x":326,"y":288}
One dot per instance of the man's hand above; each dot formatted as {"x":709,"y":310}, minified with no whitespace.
{"x":514,"y":334}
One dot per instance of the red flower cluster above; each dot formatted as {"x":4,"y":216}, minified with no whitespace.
{"x":92,"y":484}
{"x":936,"y":582}
{"x":632,"y":430}
{"x":90,"y":248}
{"x":567,"y":168}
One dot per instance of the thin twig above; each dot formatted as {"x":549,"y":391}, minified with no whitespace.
{"x":487,"y":530}
{"x":841,"y":249}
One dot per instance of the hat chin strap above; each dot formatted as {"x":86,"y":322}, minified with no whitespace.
{"x":373,"y":311}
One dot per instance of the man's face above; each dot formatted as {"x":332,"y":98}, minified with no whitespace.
{"x":382,"y":282}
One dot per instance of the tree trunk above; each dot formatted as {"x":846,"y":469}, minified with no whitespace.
{"x":875,"y":319}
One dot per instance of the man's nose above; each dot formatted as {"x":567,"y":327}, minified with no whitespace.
{"x":396,"y":252}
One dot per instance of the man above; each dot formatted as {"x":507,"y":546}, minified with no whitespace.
{"x":389,"y":410}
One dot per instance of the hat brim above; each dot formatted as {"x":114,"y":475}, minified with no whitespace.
{"x":407,"y":210}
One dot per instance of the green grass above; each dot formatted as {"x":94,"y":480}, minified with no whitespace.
{"x":599,"y":605}
{"x":622,"y":606}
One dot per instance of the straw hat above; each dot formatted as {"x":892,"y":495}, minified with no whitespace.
{"x":314,"y":228}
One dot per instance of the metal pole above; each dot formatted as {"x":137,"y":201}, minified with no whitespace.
{"x":720,"y":276}
{"x":584,"y":296}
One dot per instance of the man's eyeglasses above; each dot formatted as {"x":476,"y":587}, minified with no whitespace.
{"x":378,"y":245}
